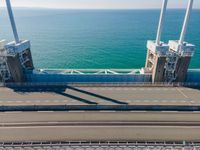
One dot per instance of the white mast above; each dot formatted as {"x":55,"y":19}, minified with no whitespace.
{"x":161,"y":21}
{"x":12,"y":21}
{"x":185,"y":24}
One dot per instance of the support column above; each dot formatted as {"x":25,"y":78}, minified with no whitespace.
{"x":161,"y":21}
{"x":157,"y":50}
{"x":182,"y":49}
{"x":186,"y":21}
{"x":12,"y":21}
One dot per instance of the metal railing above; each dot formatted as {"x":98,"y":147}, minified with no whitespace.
{"x":77,"y":145}
{"x":88,"y":71}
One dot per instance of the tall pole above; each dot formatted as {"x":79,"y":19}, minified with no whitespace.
{"x":161,"y":21}
{"x":12,"y":21}
{"x":186,"y":21}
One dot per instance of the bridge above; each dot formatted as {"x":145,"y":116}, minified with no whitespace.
{"x":155,"y":107}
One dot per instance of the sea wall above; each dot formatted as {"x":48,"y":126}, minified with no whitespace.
{"x":87,"y":78}
{"x":193,"y":77}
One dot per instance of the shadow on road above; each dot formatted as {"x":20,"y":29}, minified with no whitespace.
{"x":63,"y":90}
{"x":98,"y":96}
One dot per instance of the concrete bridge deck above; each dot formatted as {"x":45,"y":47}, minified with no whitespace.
{"x":178,"y":96}
{"x":99,"y":126}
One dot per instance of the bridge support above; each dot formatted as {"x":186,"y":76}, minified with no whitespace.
{"x":15,"y":57}
{"x":182,"y":50}
{"x":157,"y":52}
{"x":169,"y":62}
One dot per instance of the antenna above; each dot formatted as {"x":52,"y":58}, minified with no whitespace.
{"x":161,"y":21}
{"x":12,"y":21}
{"x":186,"y":21}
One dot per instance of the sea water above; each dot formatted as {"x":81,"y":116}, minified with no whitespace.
{"x":96,"y":38}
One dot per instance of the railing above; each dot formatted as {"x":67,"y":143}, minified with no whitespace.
{"x":103,"y":144}
{"x":89,"y":71}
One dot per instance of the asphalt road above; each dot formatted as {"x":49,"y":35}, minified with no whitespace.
{"x":100,"y":96}
{"x":99,"y":126}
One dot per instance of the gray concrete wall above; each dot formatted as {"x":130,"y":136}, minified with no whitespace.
{"x":159,"y":70}
{"x":182,"y":68}
{"x":29,"y":64}
{"x":15,"y":68}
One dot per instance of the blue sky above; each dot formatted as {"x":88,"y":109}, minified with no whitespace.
{"x":99,"y":4}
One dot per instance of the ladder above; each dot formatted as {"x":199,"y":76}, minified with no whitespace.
{"x":170,"y":67}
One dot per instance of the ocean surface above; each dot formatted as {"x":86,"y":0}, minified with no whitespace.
{"x":96,"y":38}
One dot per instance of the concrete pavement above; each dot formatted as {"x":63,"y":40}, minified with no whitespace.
{"x":99,"y":126}
{"x":100,"y":96}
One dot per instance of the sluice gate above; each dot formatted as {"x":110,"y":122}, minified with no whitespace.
{"x":165,"y":62}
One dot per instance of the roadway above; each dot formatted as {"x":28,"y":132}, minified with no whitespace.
{"x":100,"y":96}
{"x":99,"y":126}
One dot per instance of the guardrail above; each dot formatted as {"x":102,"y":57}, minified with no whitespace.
{"x":88,"y":71}
{"x":95,"y":107}
{"x":155,"y":144}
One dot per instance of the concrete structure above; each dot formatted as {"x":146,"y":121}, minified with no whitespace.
{"x":169,"y":62}
{"x":157,"y":52}
{"x":15,"y":57}
{"x":100,"y":127}
{"x":98,"y":96}
{"x":182,"y":51}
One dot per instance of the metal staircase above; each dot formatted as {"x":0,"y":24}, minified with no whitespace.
{"x":23,"y":59}
{"x":170,"y":66}
{"x":4,"y":71}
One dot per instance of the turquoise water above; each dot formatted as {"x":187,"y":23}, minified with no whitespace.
{"x":96,"y":38}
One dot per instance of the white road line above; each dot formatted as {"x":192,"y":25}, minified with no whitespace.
{"x":45,"y":111}
{"x":182,"y":93}
{"x":12,"y":112}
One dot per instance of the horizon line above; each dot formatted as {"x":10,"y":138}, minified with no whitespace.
{"x":28,"y":7}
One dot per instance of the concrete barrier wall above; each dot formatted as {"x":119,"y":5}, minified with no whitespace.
{"x":193,"y":76}
{"x":87,"y":78}
{"x":99,"y":107}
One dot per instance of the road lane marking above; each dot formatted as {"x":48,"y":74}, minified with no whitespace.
{"x":182,"y":93}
